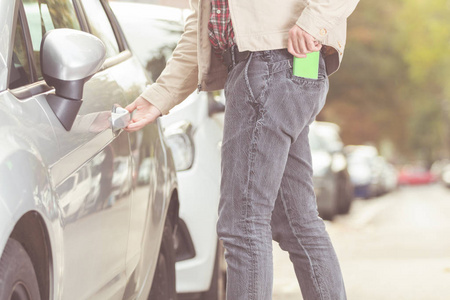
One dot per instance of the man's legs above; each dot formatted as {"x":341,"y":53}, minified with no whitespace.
{"x":267,"y":111}
{"x":298,"y":229}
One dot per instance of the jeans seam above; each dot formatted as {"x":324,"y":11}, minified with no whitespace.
{"x":313,"y":269}
{"x":247,"y":81}
{"x":247,"y":203}
{"x":260,"y":112}
{"x":320,"y":281}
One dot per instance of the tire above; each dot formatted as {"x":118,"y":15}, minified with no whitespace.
{"x":17,"y":276}
{"x":328,"y":212}
{"x":218,"y":281}
{"x":344,"y":197}
{"x":164,"y":284}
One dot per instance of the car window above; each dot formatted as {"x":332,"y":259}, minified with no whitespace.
{"x":20,"y":71}
{"x":45,"y":15}
{"x":100,"y":27}
{"x":153,"y":32}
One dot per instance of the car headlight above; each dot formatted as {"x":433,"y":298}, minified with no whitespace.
{"x":178,"y":137}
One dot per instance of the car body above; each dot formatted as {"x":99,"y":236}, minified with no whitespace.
{"x":199,"y":190}
{"x":194,"y":131}
{"x":441,"y":170}
{"x":445,"y":176}
{"x":92,"y":207}
{"x":415,"y":174}
{"x":332,"y":184}
{"x":365,"y":170}
{"x":388,"y":176}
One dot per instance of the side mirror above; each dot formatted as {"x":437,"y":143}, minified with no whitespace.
{"x":69,"y":58}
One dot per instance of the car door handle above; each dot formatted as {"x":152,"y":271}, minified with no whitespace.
{"x":120,"y":118}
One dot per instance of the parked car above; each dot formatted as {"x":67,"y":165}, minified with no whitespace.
{"x":445,"y":175}
{"x":415,"y":174}
{"x":193,"y":130}
{"x":334,"y":190}
{"x":365,"y":170}
{"x":441,"y":171}
{"x":87,"y":211}
{"x":388,"y":176}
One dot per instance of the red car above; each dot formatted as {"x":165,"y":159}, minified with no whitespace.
{"x":414,"y":175}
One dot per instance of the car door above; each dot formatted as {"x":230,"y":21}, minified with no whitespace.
{"x":147,"y":194}
{"x":152,"y":174}
{"x":92,"y":175}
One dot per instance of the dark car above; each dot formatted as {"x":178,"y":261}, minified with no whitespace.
{"x":332,"y":184}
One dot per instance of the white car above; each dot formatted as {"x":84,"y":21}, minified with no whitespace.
{"x":195,"y":139}
{"x":193,"y":130}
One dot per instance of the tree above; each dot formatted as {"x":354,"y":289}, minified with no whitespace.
{"x":424,"y":37}
{"x":392,"y":83}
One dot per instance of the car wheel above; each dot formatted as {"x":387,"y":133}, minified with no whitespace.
{"x":344,"y":197}
{"x":17,"y":276}
{"x":163,"y":286}
{"x":329,"y":197}
{"x":218,"y":281}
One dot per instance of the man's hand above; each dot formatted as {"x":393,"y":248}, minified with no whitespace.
{"x":300,"y":42}
{"x":144,"y":113}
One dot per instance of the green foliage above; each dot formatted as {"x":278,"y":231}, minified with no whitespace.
{"x":424,"y":35}
{"x":425,"y":45}
{"x":392,"y":85}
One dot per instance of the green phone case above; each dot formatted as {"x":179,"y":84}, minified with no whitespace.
{"x":307,"y":67}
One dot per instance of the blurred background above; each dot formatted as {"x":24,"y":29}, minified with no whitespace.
{"x":381,"y":152}
{"x":392,"y":89}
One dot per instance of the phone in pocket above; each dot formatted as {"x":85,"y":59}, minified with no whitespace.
{"x":307,"y":67}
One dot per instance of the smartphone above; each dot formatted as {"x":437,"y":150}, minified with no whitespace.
{"x":307,"y":67}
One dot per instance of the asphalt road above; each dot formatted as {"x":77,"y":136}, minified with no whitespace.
{"x":393,"y":247}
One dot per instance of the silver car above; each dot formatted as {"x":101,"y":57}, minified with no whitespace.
{"x":193,"y":129}
{"x":87,"y":211}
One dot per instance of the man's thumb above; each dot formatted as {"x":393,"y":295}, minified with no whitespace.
{"x":131,"y":107}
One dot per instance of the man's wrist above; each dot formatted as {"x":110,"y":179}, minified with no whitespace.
{"x":314,"y":25}
{"x":154,"y":97}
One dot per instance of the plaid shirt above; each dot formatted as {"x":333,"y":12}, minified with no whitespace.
{"x":220,"y":28}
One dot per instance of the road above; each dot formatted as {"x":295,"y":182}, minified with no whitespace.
{"x":392,"y":247}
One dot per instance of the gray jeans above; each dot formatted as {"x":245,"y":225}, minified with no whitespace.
{"x":267,"y":191}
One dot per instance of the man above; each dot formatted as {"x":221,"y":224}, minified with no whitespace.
{"x":266,"y":190}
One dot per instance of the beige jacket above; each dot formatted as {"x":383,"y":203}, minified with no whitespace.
{"x":258,"y":25}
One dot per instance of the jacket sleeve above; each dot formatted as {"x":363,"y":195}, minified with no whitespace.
{"x":321,"y":16}
{"x":179,"y":78}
